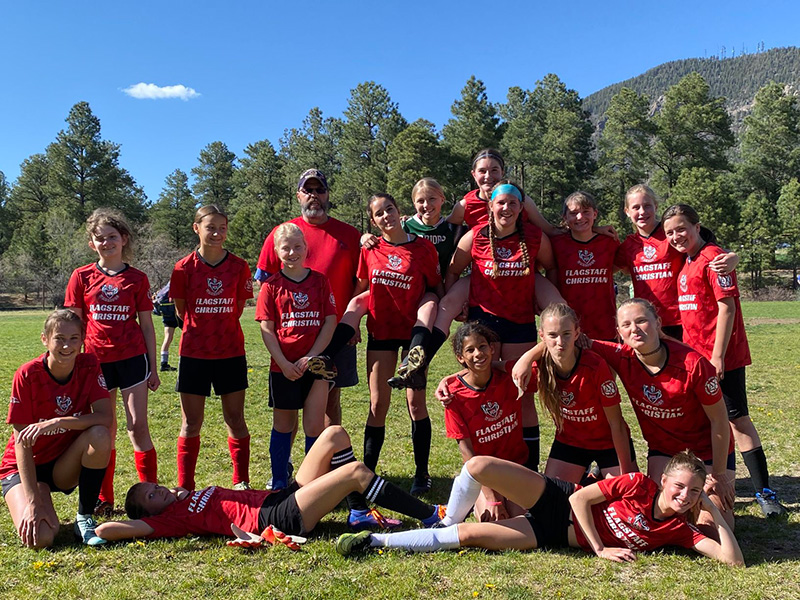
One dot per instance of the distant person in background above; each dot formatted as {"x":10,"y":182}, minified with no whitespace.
{"x":164,"y":307}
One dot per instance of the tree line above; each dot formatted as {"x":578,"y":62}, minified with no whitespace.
{"x":745,"y":187}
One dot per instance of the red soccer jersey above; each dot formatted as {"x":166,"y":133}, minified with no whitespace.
{"x":669,"y":404}
{"x":298,"y":309}
{"x":653,"y":265}
{"x":699,"y":289}
{"x":512,"y":294}
{"x":110,"y":305}
{"x":586,"y":281}
{"x":476,"y":210}
{"x":36,"y":396}
{"x":333,"y":250}
{"x":212,"y":295}
{"x":209,"y":511}
{"x":398,"y":277}
{"x":491,"y":418}
{"x":626,"y":518}
{"x":588,"y":389}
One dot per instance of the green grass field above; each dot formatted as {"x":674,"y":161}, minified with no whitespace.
{"x":205,"y":567}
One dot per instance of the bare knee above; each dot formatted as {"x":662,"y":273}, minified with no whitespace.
{"x":98,"y":437}
{"x":45,"y":537}
{"x":477,"y":466}
{"x":337,"y":436}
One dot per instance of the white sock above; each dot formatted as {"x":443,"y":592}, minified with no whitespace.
{"x":419,"y":540}
{"x":463,"y":494}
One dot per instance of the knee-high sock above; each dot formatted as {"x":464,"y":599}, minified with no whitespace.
{"x":240,"y":457}
{"x":421,"y":441}
{"x":188,"y":451}
{"x":355,"y":500}
{"x":463,"y":494}
{"x":146,"y":465}
{"x":419,"y":337}
{"x":341,"y":335}
{"x":418,"y":540}
{"x":435,"y":341}
{"x":388,"y":495}
{"x":107,"y":489}
{"x":373,"y":442}
{"x":280,"y":447}
{"x":756,"y":462}
{"x":89,"y":482}
{"x":531,"y":437}
{"x":310,"y":441}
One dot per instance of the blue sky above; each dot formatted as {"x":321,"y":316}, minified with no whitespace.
{"x":258,"y":67}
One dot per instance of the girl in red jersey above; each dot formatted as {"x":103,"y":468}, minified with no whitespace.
{"x":60,"y":412}
{"x":484,"y":415}
{"x":578,"y":390}
{"x":616,"y":518}
{"x":210,"y":288}
{"x":110,"y":296}
{"x":297,"y":312}
{"x":713,"y":325}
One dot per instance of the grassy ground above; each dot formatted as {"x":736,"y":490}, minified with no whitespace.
{"x":193,"y":567}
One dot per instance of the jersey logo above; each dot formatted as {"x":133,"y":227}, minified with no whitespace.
{"x":248,"y":285}
{"x":649,"y":253}
{"x":725,"y":281}
{"x":504,"y":253}
{"x":300,"y":299}
{"x":214,"y":286}
{"x":491,"y":410}
{"x":608,"y":389}
{"x":652,"y":394}
{"x":109,"y":292}
{"x":14,"y":400}
{"x":712,"y":386}
{"x":102,"y":381}
{"x":332,"y":299}
{"x":585,"y":258}
{"x":682,"y":283}
{"x":567,"y":398}
{"x":639,"y":522}
{"x":63,"y":404}
{"x":395,"y":262}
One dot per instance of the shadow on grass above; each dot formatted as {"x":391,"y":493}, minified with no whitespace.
{"x":767,"y":540}
{"x":787,"y":487}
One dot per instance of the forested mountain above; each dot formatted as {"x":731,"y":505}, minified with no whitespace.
{"x":736,"y":79}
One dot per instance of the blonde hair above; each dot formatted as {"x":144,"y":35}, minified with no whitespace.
{"x":645,"y":304}
{"x":427,"y":183}
{"x":584,"y":200}
{"x":287,"y":230}
{"x":526,"y":261}
{"x":549,"y":394}
{"x":60,"y":315}
{"x":111,"y":217}
{"x":643,"y":189}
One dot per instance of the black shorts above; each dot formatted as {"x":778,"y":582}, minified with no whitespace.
{"x":550,"y":517}
{"x":346,"y":365}
{"x":386,"y":345}
{"x":286,"y":394}
{"x":730,"y":463}
{"x":674,"y":331}
{"x":734,"y":392}
{"x":197,"y":375}
{"x":44,"y":474}
{"x":126,"y":373}
{"x":605,"y":459}
{"x":281,"y":511}
{"x":508,"y":331}
{"x":169,"y":317}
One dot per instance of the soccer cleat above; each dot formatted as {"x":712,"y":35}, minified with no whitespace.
{"x":421,"y":485}
{"x":352,"y":542}
{"x":416,"y":359}
{"x":439,"y":511}
{"x":242,"y":486}
{"x":415,"y":380}
{"x":103,"y":509}
{"x":371,"y":519}
{"x":322,"y":367}
{"x":84,"y":530}
{"x":167,"y":367}
{"x":768,"y":501}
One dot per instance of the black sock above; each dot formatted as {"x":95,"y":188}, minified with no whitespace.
{"x":373,"y":442}
{"x":89,"y":483}
{"x":435,"y":341}
{"x":341,"y":335}
{"x":531,"y":437}
{"x":421,"y":441}
{"x":388,"y":495}
{"x":756,"y":463}
{"x":419,"y":336}
{"x":355,"y":500}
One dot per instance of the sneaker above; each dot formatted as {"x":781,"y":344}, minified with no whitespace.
{"x":103,"y":509}
{"x":352,"y":542}
{"x":290,"y":471}
{"x":372,"y":519}
{"x":322,"y":367}
{"x":242,"y":486}
{"x":167,"y":367}
{"x":84,"y":530}
{"x":768,"y":501}
{"x":438,"y":514}
{"x":421,"y":485}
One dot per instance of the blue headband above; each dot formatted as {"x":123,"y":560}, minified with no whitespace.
{"x":507,"y":188}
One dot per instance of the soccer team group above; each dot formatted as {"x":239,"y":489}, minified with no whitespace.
{"x":678,"y":346}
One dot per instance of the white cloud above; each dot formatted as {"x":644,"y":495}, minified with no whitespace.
{"x":151,"y":91}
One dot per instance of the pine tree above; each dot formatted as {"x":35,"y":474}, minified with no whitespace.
{"x":316,"y":145}
{"x":173,"y":214}
{"x":789,"y":218}
{"x":214,"y":175}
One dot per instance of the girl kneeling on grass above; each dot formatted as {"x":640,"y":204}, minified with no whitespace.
{"x":61,"y":413}
{"x":615,"y":518}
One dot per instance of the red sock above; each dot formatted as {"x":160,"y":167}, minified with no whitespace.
{"x":240,"y":456}
{"x":107,"y":489}
{"x":146,"y":465}
{"x":188,"y":451}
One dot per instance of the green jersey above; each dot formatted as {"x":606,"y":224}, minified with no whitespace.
{"x":442,"y":235}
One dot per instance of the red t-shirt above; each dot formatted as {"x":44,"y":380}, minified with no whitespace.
{"x":298,"y":309}
{"x":333,"y":250}
{"x":653,"y":265}
{"x":209,"y":511}
{"x":669,"y":404}
{"x":398,"y":277}
{"x":511,"y":295}
{"x":699,"y":289}
{"x":586,"y":281}
{"x":626,"y":518}
{"x":110,"y":305}
{"x":588,"y":389}
{"x":212,"y":295}
{"x":36,"y":396}
{"x":491,"y":418}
